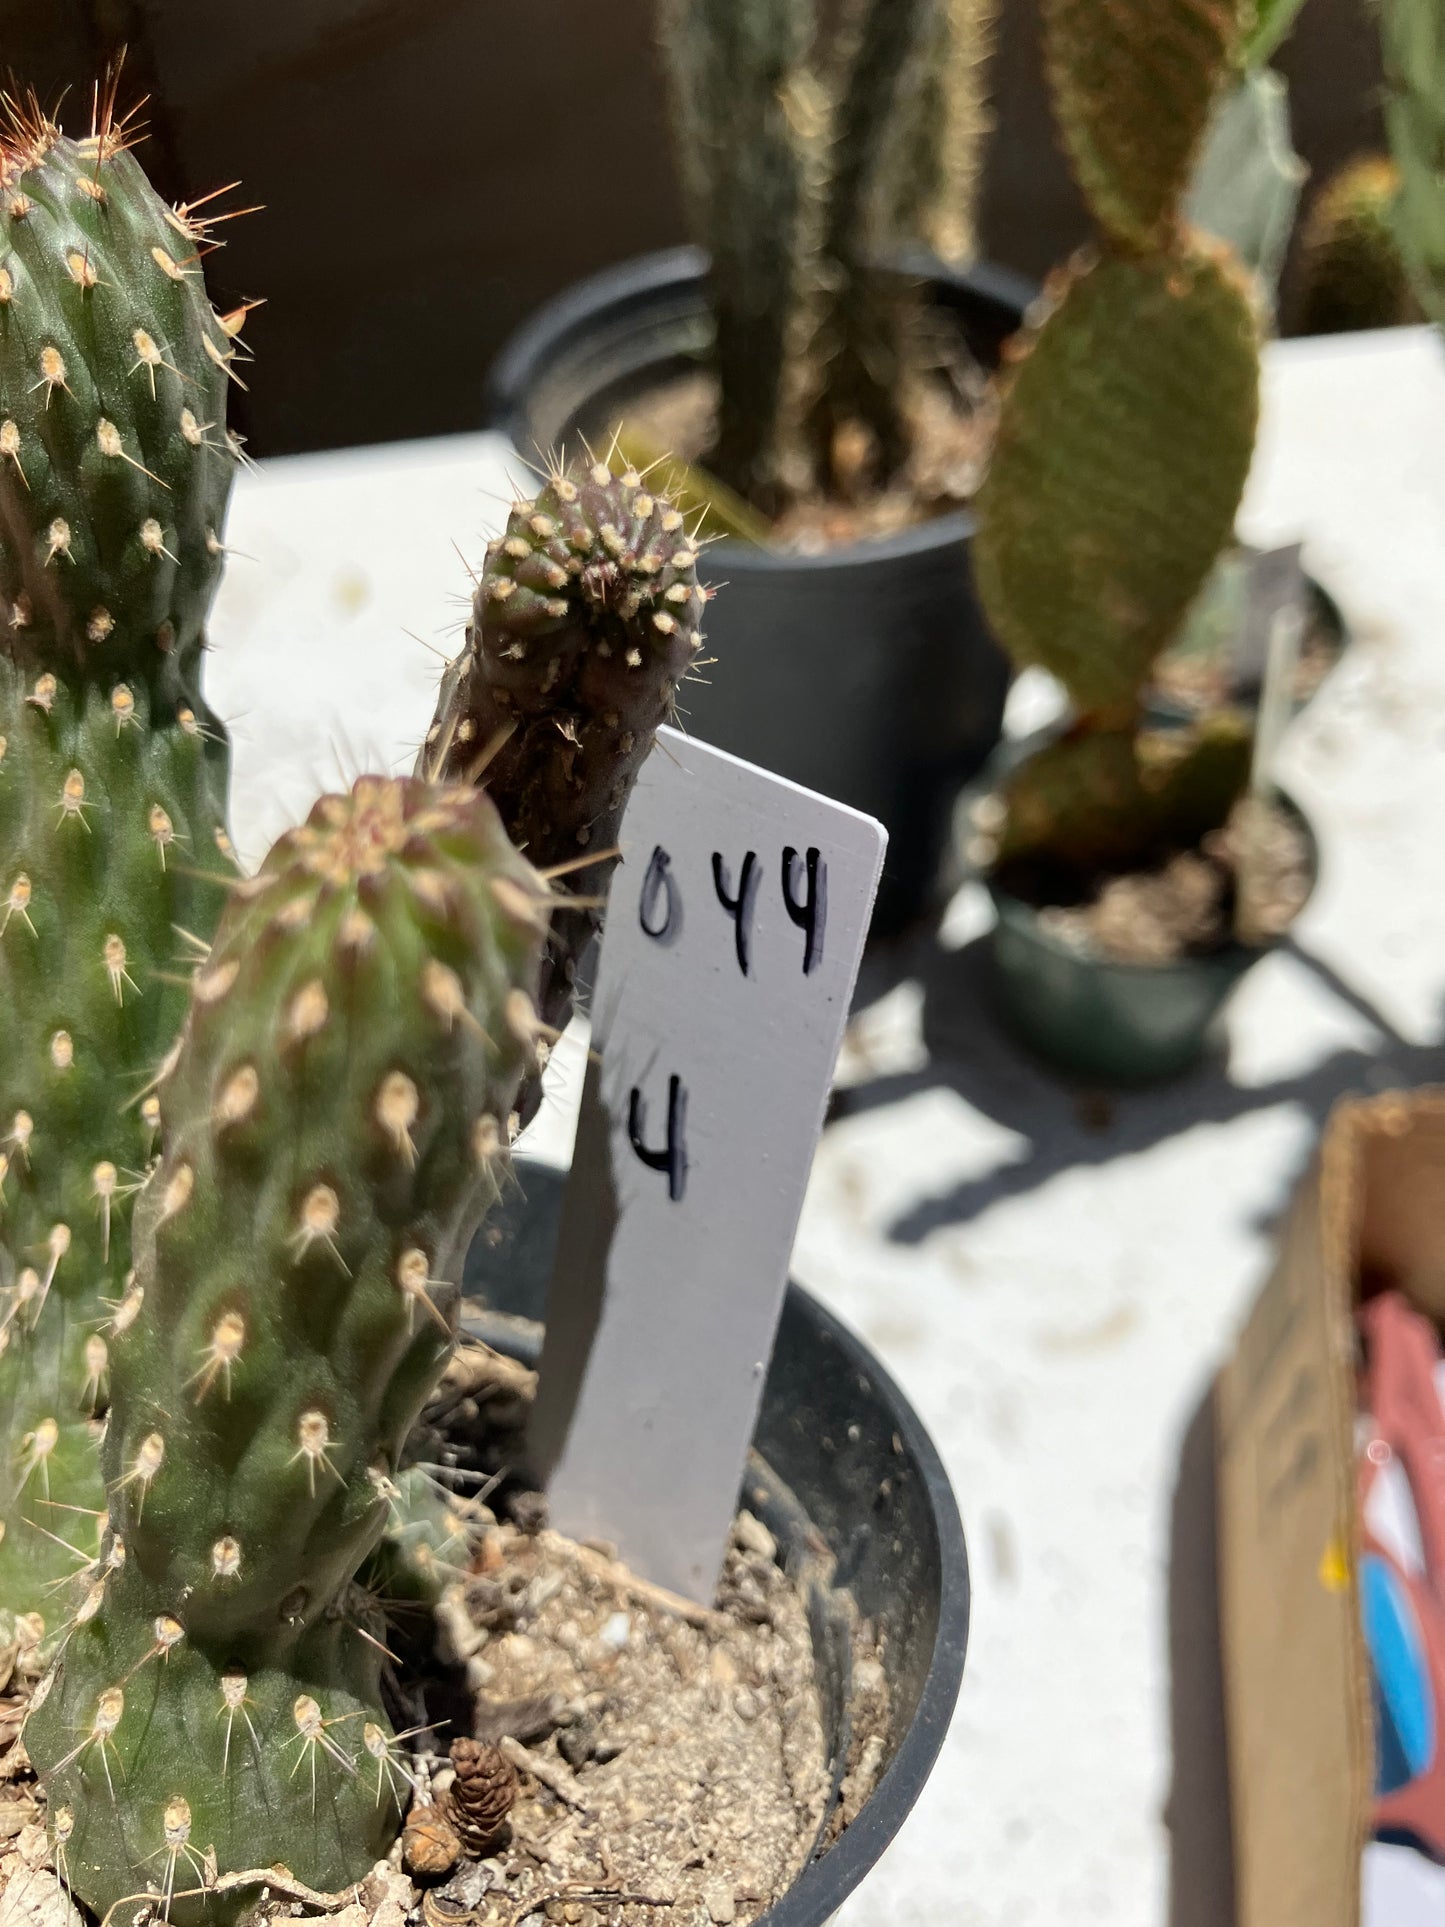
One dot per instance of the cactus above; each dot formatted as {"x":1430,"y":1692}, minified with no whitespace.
{"x":115,"y":467}
{"x":1133,"y":85}
{"x":859,"y":352}
{"x":1096,"y":798}
{"x":936,"y":166}
{"x":1126,"y":428}
{"x":354,"y":1042}
{"x":585,"y":621}
{"x":806,"y":167}
{"x":1413,"y":39}
{"x":745,"y":120}
{"x":1354,"y":275}
{"x":1124,"y":441}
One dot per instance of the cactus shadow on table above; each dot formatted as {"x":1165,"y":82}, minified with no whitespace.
{"x":1065,"y":1125}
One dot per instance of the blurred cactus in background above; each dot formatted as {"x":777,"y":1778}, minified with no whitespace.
{"x":1353,"y":272}
{"x":806,"y":168}
{"x":115,"y":469}
{"x":1413,"y":42}
{"x":1125,"y":436}
{"x":334,"y":1117}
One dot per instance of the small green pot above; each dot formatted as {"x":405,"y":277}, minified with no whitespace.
{"x":1113,"y":1023}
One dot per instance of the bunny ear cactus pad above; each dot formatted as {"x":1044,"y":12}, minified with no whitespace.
{"x":1133,"y":83}
{"x":115,"y":469}
{"x":352,"y":1051}
{"x":586,"y":619}
{"x":1124,"y":442}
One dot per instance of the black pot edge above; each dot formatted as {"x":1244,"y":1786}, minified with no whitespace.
{"x":825,"y":1884}
{"x":569,"y":315}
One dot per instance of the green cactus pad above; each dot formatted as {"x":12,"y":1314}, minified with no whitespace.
{"x":1413,"y":40}
{"x":1124,"y":441}
{"x":1133,"y":83}
{"x":114,"y":475}
{"x":585,"y":622}
{"x":1114,"y":799}
{"x":1353,"y":272}
{"x":342,"y":1086}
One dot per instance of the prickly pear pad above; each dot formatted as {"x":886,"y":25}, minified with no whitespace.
{"x":343,"y":1083}
{"x":1124,"y":442}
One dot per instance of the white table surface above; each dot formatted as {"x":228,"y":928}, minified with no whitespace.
{"x":1053,"y":1289}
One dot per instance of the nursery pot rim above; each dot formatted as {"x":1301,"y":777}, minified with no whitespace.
{"x":569,"y":316}
{"x":825,"y":1883}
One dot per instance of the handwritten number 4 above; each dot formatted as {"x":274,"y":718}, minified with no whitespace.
{"x":672,"y":1157}
{"x":810,"y":911}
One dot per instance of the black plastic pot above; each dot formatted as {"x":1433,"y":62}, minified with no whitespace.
{"x":837,"y":1454}
{"x":868,"y":672}
{"x":1113,"y":1023}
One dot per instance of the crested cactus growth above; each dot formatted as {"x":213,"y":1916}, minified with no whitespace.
{"x":1354,"y":274}
{"x":808,"y":161}
{"x":1125,"y":436}
{"x":1413,"y":38}
{"x":586,"y":619}
{"x":115,"y":467}
{"x":354,"y":1043}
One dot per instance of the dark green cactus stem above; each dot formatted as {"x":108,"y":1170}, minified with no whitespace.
{"x":586,"y":619}
{"x":938,"y":141}
{"x":115,"y":467}
{"x":1133,"y":83}
{"x":1353,"y":274}
{"x":352,"y":1052}
{"x":860,"y":347}
{"x":748,"y":123}
{"x":1124,"y":440}
{"x":1413,"y":41}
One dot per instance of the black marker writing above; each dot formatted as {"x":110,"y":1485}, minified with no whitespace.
{"x":811,"y":912}
{"x":659,"y":903}
{"x":672,"y":1158}
{"x":739,"y":907}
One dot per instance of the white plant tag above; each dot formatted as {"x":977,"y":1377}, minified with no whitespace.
{"x":734,"y":933}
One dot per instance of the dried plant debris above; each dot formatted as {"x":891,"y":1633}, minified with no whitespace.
{"x":674,"y":1755}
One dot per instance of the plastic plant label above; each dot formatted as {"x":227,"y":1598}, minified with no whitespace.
{"x":734,"y":932}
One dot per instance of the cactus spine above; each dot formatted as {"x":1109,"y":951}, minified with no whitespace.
{"x":115,"y":467}
{"x":352,"y":1050}
{"x":1125,"y":436}
{"x":585,"y":621}
{"x":1413,"y":38}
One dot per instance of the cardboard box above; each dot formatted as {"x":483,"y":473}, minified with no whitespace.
{"x":1370,"y":1215}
